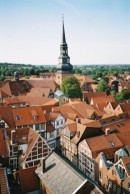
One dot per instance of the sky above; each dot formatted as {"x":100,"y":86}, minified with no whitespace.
{"x":97,"y":31}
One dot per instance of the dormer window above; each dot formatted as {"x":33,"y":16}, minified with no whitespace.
{"x":112,"y":144}
{"x":17,"y":117}
{"x":35,"y":117}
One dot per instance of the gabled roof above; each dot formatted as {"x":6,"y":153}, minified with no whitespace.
{"x":4,"y":187}
{"x":42,"y":83}
{"x":39,"y":92}
{"x":93,"y":94}
{"x":7,"y":115}
{"x":54,"y":116}
{"x":102,"y":99}
{"x":32,"y":101}
{"x":118,"y":125}
{"x":3,"y":146}
{"x":20,"y":136}
{"x":15,"y":87}
{"x":3,"y":94}
{"x":33,"y":139}
{"x":77,"y":110}
{"x":125,"y":137}
{"x":125,"y":107}
{"x":84,"y":110}
{"x":83,"y":78}
{"x":28,"y":180}
{"x":59,"y":177}
{"x":25,"y":116}
{"x":104,"y":143}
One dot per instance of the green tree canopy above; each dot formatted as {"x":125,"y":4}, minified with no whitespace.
{"x":71,"y":87}
{"x":103,"y":85}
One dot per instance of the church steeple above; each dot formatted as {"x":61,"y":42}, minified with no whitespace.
{"x":63,"y":32}
{"x":64,"y":60}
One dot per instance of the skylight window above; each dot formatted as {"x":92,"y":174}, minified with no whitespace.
{"x":112,"y":144}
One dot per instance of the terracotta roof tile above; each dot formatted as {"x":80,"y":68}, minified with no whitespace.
{"x":119,"y":126}
{"x":124,"y":137}
{"x":7,"y":115}
{"x":93,"y":94}
{"x":42,"y":83}
{"x":32,"y":101}
{"x":3,"y":94}
{"x":39,"y":92}
{"x":25,"y":116}
{"x":126,"y":162}
{"x":102,"y":99}
{"x":28,"y":180}
{"x":104,"y":143}
{"x":15,"y":87}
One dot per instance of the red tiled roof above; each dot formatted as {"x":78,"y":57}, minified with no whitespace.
{"x":28,"y":180}
{"x":39,"y":92}
{"x":7,"y":115}
{"x":93,"y":94}
{"x":119,"y":126}
{"x":15,"y":87}
{"x":24,"y":116}
{"x":33,"y":101}
{"x":104,"y":143}
{"x":3,"y":94}
{"x":102,"y":99}
{"x":125,"y":137}
{"x":83,"y":78}
{"x":126,"y":162}
{"x":77,"y":109}
{"x":42,"y":83}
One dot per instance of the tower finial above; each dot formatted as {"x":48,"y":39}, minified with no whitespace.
{"x":63,"y":31}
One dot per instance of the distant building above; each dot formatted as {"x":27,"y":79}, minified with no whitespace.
{"x":64,"y":68}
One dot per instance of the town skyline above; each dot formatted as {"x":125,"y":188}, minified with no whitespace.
{"x":97,"y":32}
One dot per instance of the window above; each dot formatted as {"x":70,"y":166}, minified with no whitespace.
{"x":17,"y":118}
{"x":52,"y":134}
{"x":43,"y":126}
{"x":100,"y":176}
{"x":57,"y":123}
{"x":37,"y":127}
{"x":62,"y":122}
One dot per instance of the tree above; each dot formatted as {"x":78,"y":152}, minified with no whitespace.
{"x":71,"y":87}
{"x":103,"y":85}
{"x":126,"y":94}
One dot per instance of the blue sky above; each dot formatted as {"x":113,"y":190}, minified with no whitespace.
{"x":97,"y":31}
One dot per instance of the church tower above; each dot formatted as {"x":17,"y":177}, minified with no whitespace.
{"x":64,"y":68}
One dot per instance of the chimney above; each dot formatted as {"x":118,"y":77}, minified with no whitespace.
{"x":43,"y":164}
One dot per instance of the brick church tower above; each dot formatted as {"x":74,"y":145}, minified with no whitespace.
{"x":64,"y":68}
